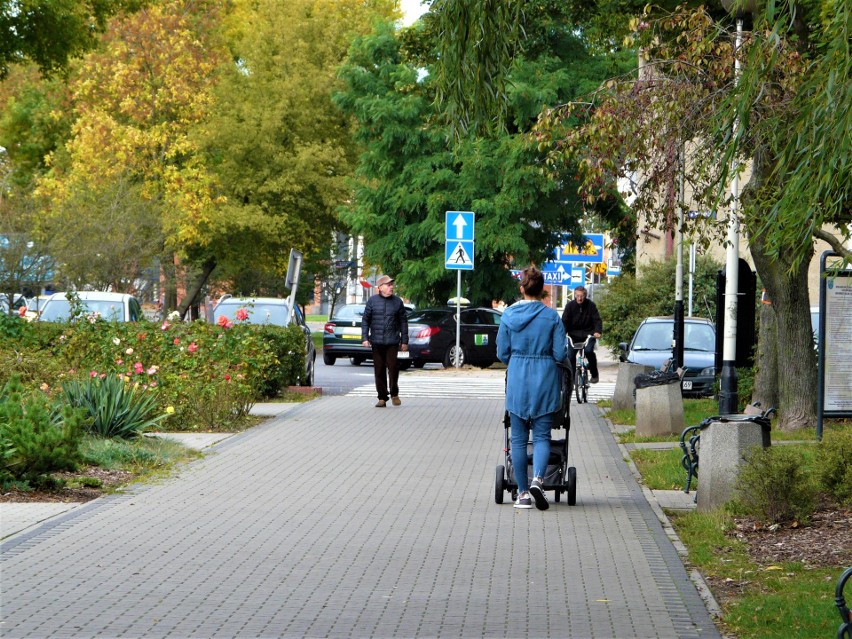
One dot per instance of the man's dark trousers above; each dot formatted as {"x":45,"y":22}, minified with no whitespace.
{"x":386,"y":369}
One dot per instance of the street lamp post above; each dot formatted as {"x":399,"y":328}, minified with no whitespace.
{"x":728,"y":395}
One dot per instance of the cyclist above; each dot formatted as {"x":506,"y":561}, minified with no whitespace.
{"x":581,"y":319}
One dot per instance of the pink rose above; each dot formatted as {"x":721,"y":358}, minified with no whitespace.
{"x":242,"y":314}
{"x":192,"y":347}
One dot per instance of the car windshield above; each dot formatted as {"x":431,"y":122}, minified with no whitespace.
{"x":59,"y":310}
{"x":349,"y":312}
{"x":658,"y":336}
{"x":258,"y":313}
{"x":427,"y":317}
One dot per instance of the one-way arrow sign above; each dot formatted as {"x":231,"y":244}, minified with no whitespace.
{"x":459,"y":233}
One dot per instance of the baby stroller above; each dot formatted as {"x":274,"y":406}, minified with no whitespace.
{"x":559,"y":477}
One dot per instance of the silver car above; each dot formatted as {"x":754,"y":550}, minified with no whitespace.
{"x":270,"y":310}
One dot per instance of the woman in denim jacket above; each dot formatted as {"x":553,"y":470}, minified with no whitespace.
{"x":531,"y":341}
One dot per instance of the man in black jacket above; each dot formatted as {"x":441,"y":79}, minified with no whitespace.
{"x":384,"y":328}
{"x":581,"y":319}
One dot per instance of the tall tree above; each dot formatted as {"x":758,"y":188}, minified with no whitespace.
{"x":691,"y":101}
{"x":281,"y":151}
{"x":135,"y":101}
{"x":50,"y":32}
{"x":409,"y":174}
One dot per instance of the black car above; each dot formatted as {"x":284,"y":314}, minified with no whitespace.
{"x":341,"y":336}
{"x":432,"y":336}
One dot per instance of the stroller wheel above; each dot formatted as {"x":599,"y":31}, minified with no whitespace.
{"x":571,"y":485}
{"x":557,"y":494}
{"x":498,"y":485}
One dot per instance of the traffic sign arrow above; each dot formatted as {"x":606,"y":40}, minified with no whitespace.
{"x":459,"y":223}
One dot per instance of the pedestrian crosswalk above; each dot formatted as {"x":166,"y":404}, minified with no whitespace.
{"x":465,"y":387}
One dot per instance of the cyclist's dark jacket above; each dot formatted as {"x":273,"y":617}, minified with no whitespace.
{"x":385,"y":321}
{"x":581,"y":320}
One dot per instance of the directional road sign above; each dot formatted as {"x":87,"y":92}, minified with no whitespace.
{"x":592,"y":252}
{"x":563,"y":274}
{"x":458,"y":254}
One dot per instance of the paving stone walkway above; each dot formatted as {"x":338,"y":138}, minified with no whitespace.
{"x":338,"y":519}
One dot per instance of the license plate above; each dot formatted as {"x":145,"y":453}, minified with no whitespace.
{"x":687,"y":385}
{"x":358,"y":337}
{"x":402,"y":355}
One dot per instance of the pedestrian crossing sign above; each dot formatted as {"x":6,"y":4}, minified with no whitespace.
{"x":459,"y":256}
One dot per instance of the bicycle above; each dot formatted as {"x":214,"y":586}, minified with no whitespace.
{"x":581,"y":370}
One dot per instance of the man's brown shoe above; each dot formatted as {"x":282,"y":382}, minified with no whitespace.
{"x":395,"y":401}
{"x":381,"y":403}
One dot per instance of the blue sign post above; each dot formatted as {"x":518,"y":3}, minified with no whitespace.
{"x":458,"y":256}
{"x":458,"y":253}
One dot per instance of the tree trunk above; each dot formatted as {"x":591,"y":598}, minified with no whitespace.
{"x":766,"y":376}
{"x":200,"y":281}
{"x":167,"y":264}
{"x":788,"y":290}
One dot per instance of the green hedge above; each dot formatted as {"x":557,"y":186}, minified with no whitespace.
{"x":202,"y":374}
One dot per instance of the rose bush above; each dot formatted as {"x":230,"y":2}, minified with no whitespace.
{"x":188,"y":365}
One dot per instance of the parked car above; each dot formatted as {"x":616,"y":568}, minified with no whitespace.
{"x":432,"y":336}
{"x":34,"y":307}
{"x":270,"y":310}
{"x":113,"y":307}
{"x":652,"y":346}
{"x":341,"y":336}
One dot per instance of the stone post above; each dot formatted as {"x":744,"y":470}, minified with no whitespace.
{"x":724,"y":446}
{"x":659,"y":410}
{"x":623,"y":398}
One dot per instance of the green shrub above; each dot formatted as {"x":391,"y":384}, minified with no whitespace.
{"x":115,"y":407}
{"x":36,"y":437}
{"x":629,"y":299}
{"x":184,"y":361}
{"x":772,"y":486}
{"x":833,"y":464}
{"x":34,"y":368}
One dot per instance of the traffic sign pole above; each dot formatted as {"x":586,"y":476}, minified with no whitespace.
{"x":458,"y":256}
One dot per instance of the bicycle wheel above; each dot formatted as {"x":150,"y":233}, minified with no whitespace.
{"x":578,"y":382}
{"x":585,"y":385}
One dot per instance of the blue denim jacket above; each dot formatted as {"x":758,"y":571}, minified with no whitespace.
{"x":530,"y":341}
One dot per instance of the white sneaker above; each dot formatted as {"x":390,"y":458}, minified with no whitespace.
{"x":524,"y":501}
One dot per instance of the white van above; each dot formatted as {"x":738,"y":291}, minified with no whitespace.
{"x":113,"y":307}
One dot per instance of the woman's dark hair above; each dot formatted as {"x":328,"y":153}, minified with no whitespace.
{"x":533,"y":281}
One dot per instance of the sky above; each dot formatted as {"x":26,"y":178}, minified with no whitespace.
{"x":411,"y":10}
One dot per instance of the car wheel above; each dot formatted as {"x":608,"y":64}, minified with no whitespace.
{"x":309,"y":375}
{"x":356,"y":361}
{"x":498,"y":485}
{"x":328,"y":360}
{"x":450,"y":357}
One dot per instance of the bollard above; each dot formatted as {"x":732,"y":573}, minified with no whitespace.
{"x":724,"y":445}
{"x":659,"y":410}
{"x":623,"y":397}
